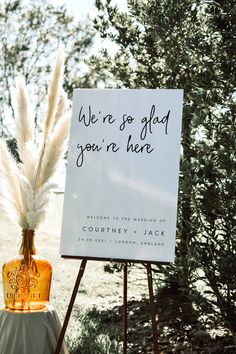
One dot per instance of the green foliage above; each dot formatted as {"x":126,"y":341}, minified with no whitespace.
{"x":191,"y":45}
{"x":30,"y":33}
{"x":93,"y":339}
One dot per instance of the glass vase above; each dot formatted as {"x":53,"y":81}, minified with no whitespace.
{"x":26,"y":278}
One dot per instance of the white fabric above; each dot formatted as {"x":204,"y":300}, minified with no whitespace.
{"x":30,"y":333}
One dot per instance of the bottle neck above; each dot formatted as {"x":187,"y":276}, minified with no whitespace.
{"x":27,"y":247}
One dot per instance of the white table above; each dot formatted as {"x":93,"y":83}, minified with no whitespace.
{"x":30,"y":332}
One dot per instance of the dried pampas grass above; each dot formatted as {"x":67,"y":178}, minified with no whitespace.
{"x":26,"y":186}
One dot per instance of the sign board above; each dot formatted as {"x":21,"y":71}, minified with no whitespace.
{"x":122,"y":175}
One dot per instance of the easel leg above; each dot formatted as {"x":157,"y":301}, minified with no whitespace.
{"x":125,"y":310}
{"x":70,"y":307}
{"x":152,"y":310}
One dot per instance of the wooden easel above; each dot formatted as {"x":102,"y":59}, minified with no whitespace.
{"x":125,"y":306}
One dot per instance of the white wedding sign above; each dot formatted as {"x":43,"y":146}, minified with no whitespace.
{"x":122,"y":175}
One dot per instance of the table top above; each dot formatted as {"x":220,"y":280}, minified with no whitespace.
{"x":30,"y":332}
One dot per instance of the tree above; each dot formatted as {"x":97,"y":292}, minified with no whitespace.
{"x":30,"y":34}
{"x":189,"y":44}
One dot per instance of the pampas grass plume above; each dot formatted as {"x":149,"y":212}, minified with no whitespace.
{"x":26,"y":187}
{"x":54,"y":91}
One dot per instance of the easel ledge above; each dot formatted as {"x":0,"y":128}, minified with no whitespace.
{"x":147,"y":264}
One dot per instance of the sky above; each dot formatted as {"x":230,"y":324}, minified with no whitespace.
{"x":81,"y":8}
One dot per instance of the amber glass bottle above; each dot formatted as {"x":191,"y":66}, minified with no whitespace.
{"x":27,"y":278}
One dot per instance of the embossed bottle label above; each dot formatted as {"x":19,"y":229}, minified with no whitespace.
{"x":22,"y":296}
{"x":23,"y":277}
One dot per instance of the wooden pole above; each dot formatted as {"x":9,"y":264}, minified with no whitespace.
{"x":70,"y":307}
{"x":152,"y":310}
{"x":125,"y":310}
